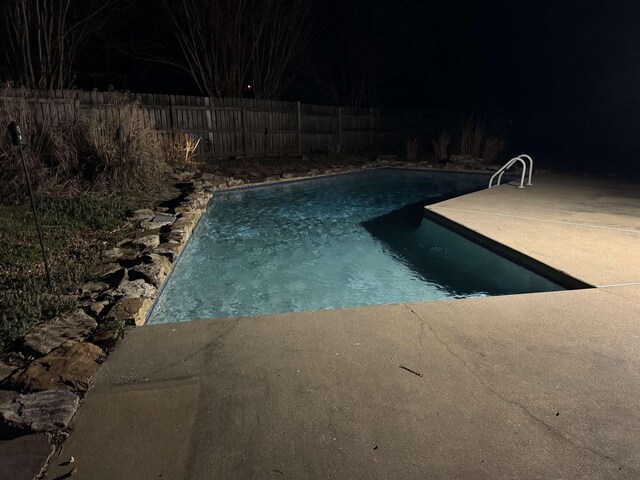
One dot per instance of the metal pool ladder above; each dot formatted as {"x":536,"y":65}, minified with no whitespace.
{"x":520,"y":158}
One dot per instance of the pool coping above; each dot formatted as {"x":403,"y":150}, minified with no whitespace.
{"x":350,"y":172}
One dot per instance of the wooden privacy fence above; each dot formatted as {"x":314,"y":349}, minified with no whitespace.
{"x":245,"y":126}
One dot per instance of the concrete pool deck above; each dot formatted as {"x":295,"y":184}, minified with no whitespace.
{"x":586,"y":227}
{"x":525,"y":386}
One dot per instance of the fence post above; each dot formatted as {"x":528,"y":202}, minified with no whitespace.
{"x":172,"y":116}
{"x":76,"y":105}
{"x":299,"y":111}
{"x":243,"y":123}
{"x":377,"y":140}
{"x":371,"y":130}
{"x":209,"y":116}
{"x":340,"y":127}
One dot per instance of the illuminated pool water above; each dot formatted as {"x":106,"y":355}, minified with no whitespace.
{"x":342,"y":241}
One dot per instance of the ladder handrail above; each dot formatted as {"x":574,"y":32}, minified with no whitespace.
{"x":530,"y":166}
{"x":505,"y":167}
{"x":530,"y":169}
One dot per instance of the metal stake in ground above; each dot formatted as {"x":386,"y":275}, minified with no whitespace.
{"x":16,"y":141}
{"x":120,"y":140}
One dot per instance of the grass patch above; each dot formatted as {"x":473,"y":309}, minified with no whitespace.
{"x":76,"y":232}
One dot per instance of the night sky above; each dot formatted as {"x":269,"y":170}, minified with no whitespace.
{"x":511,"y":55}
{"x":577,"y":55}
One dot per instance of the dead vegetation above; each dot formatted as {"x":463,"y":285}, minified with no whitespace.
{"x":412,"y":145}
{"x":81,"y":154}
{"x":180,"y":148}
{"x":471,"y":140}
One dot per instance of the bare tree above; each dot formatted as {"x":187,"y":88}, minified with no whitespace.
{"x":216,"y":42}
{"x":43,"y":37}
{"x":369,"y":45}
{"x":278,"y":39}
{"x":223,"y":43}
{"x":349,"y":65}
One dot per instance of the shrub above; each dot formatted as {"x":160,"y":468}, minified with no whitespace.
{"x":441,"y":145}
{"x":472,"y":136}
{"x":335,"y":153}
{"x":412,"y":145}
{"x":473,"y":141}
{"x":50,"y":153}
{"x":81,"y":153}
{"x":137,"y":164}
{"x":493,"y":147}
{"x":180,"y":149}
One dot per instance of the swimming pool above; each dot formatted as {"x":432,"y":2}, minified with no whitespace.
{"x":342,"y":241}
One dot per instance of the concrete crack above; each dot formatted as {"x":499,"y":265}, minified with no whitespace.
{"x":214,"y":343}
{"x":507,"y":400}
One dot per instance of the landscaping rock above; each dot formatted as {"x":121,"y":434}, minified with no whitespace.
{"x":112,"y":254}
{"x":186,"y":224}
{"x":7,"y":396}
{"x":135,"y":289}
{"x":200,"y":199}
{"x":153,"y":225}
{"x":219,"y":182}
{"x":460,"y":158}
{"x":105,"y":336}
{"x":149,"y":241}
{"x":189,"y":216}
{"x":170,"y":250}
{"x":5,"y":370}
{"x":185,"y":208}
{"x":15,"y":359}
{"x":234,"y":182}
{"x":68,"y":366}
{"x":164,"y":217}
{"x":92,"y":289}
{"x":182,"y":176}
{"x":129,"y":261}
{"x":273,"y":178}
{"x":74,"y":327}
{"x":130,"y":311}
{"x":25,"y":457}
{"x":287,"y":176}
{"x":95,"y":308}
{"x":143,"y":214}
{"x":158,"y":221}
{"x":176,"y":235}
{"x":314,"y":172}
{"x":42,"y":411}
{"x":153,"y":270}
{"x":113,"y":274}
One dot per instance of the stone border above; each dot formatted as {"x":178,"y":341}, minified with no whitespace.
{"x":39,"y":399}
